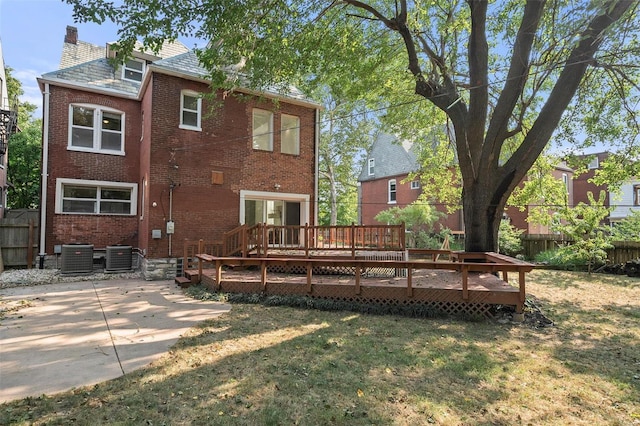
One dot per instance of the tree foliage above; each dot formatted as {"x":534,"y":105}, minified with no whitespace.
{"x":582,"y":224}
{"x":418,"y":219}
{"x":627,"y":229}
{"x":346,"y":134}
{"x":24,"y":167}
{"x":503,"y":73}
{"x":23,"y":171}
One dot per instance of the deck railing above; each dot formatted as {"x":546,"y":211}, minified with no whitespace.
{"x":344,"y":238}
{"x":259,"y":239}
{"x":460,"y":262}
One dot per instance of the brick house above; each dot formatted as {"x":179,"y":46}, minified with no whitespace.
{"x":143,"y":154}
{"x":518,"y":218}
{"x":622,"y":203}
{"x":384,"y":183}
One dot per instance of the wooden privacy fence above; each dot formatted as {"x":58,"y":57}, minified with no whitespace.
{"x":18,"y":242}
{"x":622,"y":251}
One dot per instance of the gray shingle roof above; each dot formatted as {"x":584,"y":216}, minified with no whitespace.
{"x":391,"y":158}
{"x":98,"y":73}
{"x":80,"y":53}
{"x":86,"y":64}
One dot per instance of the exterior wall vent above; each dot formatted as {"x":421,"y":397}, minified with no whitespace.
{"x":118,"y":258}
{"x":77,"y":258}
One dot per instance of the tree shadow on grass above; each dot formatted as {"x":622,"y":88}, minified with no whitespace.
{"x":277,"y":365}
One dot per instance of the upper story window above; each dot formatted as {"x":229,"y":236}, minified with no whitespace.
{"x":290,"y":134}
{"x":95,"y":197}
{"x":190,"y":110}
{"x":392,"y":191}
{"x":133,"y":70}
{"x":262,"y":129}
{"x":415,"y":184}
{"x":371,"y":166}
{"x":594,"y":164}
{"x":96,"y":129}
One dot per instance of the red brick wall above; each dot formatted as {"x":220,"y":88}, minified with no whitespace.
{"x":99,"y":230}
{"x":186,"y":159}
{"x":177,"y":165}
{"x":374,"y":199}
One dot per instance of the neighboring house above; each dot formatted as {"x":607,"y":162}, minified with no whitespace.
{"x":8,"y":126}
{"x":622,"y":203}
{"x":139,"y":155}
{"x":518,"y":218}
{"x":384,"y":181}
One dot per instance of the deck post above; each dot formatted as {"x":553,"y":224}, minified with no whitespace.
{"x":505,"y":276}
{"x":353,"y":240}
{"x":199,"y":269}
{"x":409,"y":281}
{"x":309,"y":274}
{"x":218,"y":274}
{"x":521,"y":284}
{"x":358,"y":272}
{"x":306,"y":240}
{"x":465,"y":282}
{"x":263,"y":274}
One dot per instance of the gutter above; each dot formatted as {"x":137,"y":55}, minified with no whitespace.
{"x":45,"y":172}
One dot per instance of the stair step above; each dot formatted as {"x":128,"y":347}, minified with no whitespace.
{"x":192,"y":275}
{"x":183,"y":282}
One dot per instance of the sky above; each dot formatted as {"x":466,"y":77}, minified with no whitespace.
{"x":32,"y":34}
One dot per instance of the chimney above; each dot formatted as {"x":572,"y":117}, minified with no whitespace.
{"x":72,"y":35}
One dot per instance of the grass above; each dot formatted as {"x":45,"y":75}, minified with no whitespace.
{"x":270,"y":365}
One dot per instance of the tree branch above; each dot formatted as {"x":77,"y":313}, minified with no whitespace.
{"x":517,"y":76}
{"x":565,"y":88}
{"x":478,"y":77}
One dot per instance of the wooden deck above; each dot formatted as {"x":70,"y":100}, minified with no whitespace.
{"x":469,"y":283}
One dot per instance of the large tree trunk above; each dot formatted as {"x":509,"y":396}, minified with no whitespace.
{"x":481,"y":218}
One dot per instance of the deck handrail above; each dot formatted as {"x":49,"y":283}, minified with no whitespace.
{"x":261,"y":238}
{"x":491,"y":262}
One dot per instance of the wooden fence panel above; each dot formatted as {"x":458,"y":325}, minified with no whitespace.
{"x":16,"y":235}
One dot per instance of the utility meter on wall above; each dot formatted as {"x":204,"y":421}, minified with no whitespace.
{"x":170,"y":227}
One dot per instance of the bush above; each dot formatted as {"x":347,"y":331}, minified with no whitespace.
{"x":509,"y":239}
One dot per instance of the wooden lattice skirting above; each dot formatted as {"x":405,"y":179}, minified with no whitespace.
{"x":439,"y":301}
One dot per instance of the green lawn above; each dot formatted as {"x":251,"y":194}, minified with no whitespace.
{"x":268,"y":365}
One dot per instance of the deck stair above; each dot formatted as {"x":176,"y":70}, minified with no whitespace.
{"x":190,"y":277}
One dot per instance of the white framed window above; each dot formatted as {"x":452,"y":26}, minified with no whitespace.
{"x":262,"y":129}
{"x":190,"y":110}
{"x":636,"y":195}
{"x":415,"y":184}
{"x":96,"y":129}
{"x":133,"y":70}
{"x":290,"y":134}
{"x":371,"y":166}
{"x":77,"y":196}
{"x":594,"y":164}
{"x":392,"y":191}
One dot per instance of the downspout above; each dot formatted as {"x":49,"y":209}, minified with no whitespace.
{"x":171,"y":186}
{"x":45,"y":173}
{"x":317,"y":167}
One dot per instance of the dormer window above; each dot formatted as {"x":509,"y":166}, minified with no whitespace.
{"x":133,"y":69}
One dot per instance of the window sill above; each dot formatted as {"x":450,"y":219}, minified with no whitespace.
{"x":95,"y":151}
{"x":185,"y":127}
